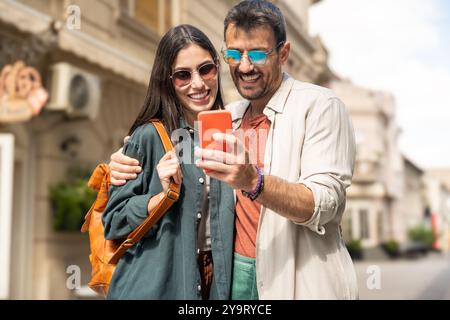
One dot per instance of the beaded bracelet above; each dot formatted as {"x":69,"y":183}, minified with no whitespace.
{"x":252,"y":195}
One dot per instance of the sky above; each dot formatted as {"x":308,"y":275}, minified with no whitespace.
{"x":399,"y":46}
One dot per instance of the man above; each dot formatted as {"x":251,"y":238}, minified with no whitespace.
{"x":290,"y":200}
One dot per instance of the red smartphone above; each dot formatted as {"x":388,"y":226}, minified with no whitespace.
{"x":211,"y":122}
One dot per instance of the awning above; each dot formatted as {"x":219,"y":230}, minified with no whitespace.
{"x":29,"y":20}
{"x":103,"y":54}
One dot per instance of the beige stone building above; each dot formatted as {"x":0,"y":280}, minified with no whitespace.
{"x":390,"y":194}
{"x":377,"y":186}
{"x":412,"y":208}
{"x":95,"y":58}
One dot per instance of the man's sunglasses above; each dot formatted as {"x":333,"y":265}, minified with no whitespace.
{"x":182,"y":78}
{"x":257,"y":57}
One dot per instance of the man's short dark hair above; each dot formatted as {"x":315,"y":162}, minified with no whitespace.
{"x":250,"y":14}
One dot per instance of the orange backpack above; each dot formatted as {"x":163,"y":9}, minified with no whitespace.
{"x":106,"y":253}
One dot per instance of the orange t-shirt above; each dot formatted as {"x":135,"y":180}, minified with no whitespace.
{"x":247,"y":211}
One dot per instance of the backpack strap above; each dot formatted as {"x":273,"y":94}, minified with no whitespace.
{"x":170,"y":197}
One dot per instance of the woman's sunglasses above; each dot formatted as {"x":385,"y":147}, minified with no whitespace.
{"x":182,"y":78}
{"x":257,"y":57}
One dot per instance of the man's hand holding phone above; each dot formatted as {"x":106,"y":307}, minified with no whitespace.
{"x":222,"y":155}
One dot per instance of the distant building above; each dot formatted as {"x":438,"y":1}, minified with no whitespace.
{"x":413,"y":205}
{"x":390,"y":195}
{"x":377,"y":181}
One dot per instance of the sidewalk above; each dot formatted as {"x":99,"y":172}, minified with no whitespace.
{"x":425,"y":278}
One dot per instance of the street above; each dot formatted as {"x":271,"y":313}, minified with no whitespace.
{"x":426,"y":278}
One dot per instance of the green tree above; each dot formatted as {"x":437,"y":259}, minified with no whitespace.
{"x":421,"y":234}
{"x":71,"y":199}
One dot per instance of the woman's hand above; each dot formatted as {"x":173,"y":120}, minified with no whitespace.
{"x":167,"y":168}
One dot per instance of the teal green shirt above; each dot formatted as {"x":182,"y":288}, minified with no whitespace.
{"x":163,"y":265}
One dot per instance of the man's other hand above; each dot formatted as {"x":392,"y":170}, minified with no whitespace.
{"x":123,"y":168}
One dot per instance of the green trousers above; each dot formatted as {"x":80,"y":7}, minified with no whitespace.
{"x":244,"y":278}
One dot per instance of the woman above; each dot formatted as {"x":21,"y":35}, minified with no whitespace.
{"x":188,"y":253}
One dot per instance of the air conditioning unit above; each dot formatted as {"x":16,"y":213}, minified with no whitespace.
{"x":74,"y":91}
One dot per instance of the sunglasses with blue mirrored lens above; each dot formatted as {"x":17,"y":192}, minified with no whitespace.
{"x":258,"y":57}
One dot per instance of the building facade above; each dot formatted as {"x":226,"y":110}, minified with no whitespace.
{"x":377,"y":185}
{"x":413,"y":203}
{"x":389,"y":195}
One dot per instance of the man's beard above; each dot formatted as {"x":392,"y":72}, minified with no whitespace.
{"x":256,"y":94}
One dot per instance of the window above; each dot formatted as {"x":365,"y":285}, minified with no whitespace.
{"x":153,"y":14}
{"x":380,"y":226}
{"x":360,"y":137}
{"x":364,"y":223}
{"x":146,"y":12}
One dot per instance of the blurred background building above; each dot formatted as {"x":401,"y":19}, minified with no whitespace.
{"x":96,"y":70}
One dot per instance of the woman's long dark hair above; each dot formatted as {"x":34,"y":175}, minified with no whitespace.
{"x":161,"y":101}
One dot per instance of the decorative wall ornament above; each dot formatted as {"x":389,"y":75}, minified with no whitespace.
{"x":21,"y":93}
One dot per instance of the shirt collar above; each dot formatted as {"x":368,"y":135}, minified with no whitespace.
{"x":276,"y":103}
{"x":278,"y":100}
